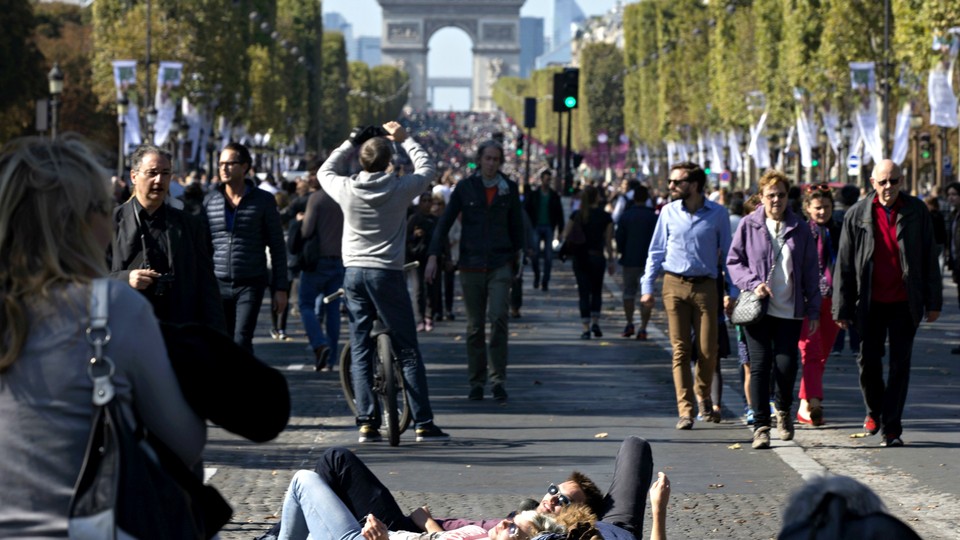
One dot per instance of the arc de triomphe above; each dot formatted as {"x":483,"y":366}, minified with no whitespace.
{"x":493,"y":27}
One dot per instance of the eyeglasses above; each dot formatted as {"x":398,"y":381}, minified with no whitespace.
{"x":775,"y":195}
{"x":818,"y":187}
{"x":561,"y":498}
{"x":227,"y":164}
{"x":153,"y":173}
{"x":885,"y":183}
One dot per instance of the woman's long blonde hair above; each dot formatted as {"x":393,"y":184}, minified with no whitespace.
{"x":48,"y":190}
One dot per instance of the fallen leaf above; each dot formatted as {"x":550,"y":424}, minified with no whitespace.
{"x":457,"y":338}
{"x":857,"y":435}
{"x":274,"y":473}
{"x":600,"y":436}
{"x":735,"y":446}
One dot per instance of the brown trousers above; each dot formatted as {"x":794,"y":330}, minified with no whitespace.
{"x":692,"y":306}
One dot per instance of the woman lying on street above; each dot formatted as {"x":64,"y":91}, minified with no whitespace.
{"x":311,"y":507}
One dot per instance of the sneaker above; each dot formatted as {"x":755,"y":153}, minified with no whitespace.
{"x":707,"y":412}
{"x":430,"y":432}
{"x":748,"y":417}
{"x":784,"y":426}
{"x":596,"y":330}
{"x":369,"y":434}
{"x":536,"y":283}
{"x":761,"y":438}
{"x":274,"y":333}
{"x":544,"y":287}
{"x":322,"y":354}
{"x":685,"y":422}
{"x":870,"y":425}
{"x":891,"y":442}
{"x":627,"y":330}
{"x":282,"y":336}
{"x":642,"y":335}
{"x":499,"y":393}
{"x":476,"y":393}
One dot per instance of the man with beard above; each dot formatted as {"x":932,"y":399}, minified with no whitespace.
{"x":691,"y":236}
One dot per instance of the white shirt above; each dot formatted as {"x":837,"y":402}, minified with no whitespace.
{"x":781,"y":276}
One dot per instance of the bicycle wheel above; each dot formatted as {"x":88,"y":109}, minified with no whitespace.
{"x":346,"y":379}
{"x":388,"y":396}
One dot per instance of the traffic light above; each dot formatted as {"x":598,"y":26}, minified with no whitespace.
{"x":814,"y":157}
{"x":566,"y":89}
{"x":520,"y":139}
{"x":925,"y":146}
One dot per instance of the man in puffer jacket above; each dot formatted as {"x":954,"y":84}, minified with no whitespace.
{"x":244,"y":222}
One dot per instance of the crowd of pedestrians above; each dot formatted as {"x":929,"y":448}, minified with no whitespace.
{"x":440,"y":193}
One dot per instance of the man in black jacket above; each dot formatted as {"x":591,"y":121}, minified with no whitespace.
{"x":546,"y":215}
{"x":887,"y":278}
{"x":490,"y":247}
{"x":161,"y":251}
{"x":244,"y":222}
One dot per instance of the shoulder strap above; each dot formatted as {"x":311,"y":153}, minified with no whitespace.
{"x":100,"y":369}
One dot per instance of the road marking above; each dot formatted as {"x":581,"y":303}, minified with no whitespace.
{"x":208,"y":473}
{"x":296,"y":367}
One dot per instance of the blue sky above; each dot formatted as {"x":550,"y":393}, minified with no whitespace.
{"x":449,"y":48}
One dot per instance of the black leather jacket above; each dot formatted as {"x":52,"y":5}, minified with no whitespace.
{"x":240,"y":255}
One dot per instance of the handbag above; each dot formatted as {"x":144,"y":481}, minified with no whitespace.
{"x":131,"y":486}
{"x":575,"y":242}
{"x":750,"y":308}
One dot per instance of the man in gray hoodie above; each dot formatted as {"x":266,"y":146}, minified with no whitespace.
{"x":374,"y":204}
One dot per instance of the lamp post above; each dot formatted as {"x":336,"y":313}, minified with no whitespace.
{"x":916,"y":122}
{"x":846,"y":133}
{"x":211,"y":166}
{"x":55,"y":78}
{"x":745,"y":178}
{"x":151,"y":121}
{"x":941,"y":158}
{"x":183,"y":132}
{"x":122,"y":106}
{"x":603,"y":139}
{"x":825,"y":154}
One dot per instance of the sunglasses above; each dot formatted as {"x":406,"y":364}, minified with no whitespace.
{"x":561,"y":498}
{"x":884,"y":183}
{"x":818,"y":187}
{"x":513,"y":531}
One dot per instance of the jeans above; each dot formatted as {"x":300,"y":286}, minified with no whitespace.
{"x":626,"y":499}
{"x":241,"y":307}
{"x":544,"y":236}
{"x":486,"y":296}
{"x":372,"y":292}
{"x":324,"y":281}
{"x":310,"y":507}
{"x":692,"y":307}
{"x":772,"y":343}
{"x":885,"y":402}
{"x":589,"y":273}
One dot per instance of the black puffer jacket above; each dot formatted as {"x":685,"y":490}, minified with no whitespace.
{"x":240,"y":255}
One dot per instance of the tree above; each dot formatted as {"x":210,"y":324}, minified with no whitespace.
{"x":22,"y":79}
{"x":333,"y":94}
{"x":601,"y":92}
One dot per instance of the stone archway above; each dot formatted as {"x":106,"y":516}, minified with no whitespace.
{"x":492,"y":25}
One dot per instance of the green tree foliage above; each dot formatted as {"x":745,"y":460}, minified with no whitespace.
{"x":733,"y":63}
{"x":390,"y":89}
{"x":601,"y":93}
{"x":770,"y":78}
{"x":23,"y":76}
{"x":333,"y":94}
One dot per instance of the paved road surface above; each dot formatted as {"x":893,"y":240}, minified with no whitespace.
{"x":573,"y":401}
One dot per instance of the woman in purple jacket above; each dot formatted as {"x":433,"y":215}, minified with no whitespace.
{"x":773,"y":254}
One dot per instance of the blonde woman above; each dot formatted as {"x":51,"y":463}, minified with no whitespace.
{"x":55,"y":203}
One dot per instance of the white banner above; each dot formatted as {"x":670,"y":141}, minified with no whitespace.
{"x":733,"y":146}
{"x":125,"y":79}
{"x":943,"y":102}
{"x":831,"y":123}
{"x":759,"y":152}
{"x":684,"y":155}
{"x":870,"y":130}
{"x":701,"y":151}
{"x":785,"y":147}
{"x":805,"y":138}
{"x":901,"y":136}
{"x":168,"y":78}
{"x":716,"y":152}
{"x":863,"y":76}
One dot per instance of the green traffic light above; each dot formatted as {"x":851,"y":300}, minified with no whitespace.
{"x":815,"y":163}
{"x":707,"y":170}
{"x":925,"y":155}
{"x":519,"y":151}
{"x":570,"y":102}
{"x":471,"y":165}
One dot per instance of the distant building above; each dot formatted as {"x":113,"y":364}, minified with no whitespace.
{"x":531,"y":44}
{"x":567,"y":15}
{"x":368,"y":50}
{"x":335,"y":22}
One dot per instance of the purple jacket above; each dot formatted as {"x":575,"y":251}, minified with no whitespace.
{"x":751,"y":257}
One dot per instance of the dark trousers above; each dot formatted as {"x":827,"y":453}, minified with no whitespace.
{"x":885,"y":402}
{"x":772,"y":343}
{"x":589,"y":273}
{"x":241,"y":307}
{"x":626,"y":499}
{"x":448,"y":290}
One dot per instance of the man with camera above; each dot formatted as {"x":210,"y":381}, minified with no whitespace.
{"x":161,"y":251}
{"x":374,"y":204}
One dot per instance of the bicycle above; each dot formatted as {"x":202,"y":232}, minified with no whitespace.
{"x":387,"y":377}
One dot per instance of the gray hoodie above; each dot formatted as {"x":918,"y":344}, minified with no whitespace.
{"x":375,"y":206}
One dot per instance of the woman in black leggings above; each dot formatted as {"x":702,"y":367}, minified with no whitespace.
{"x":591,"y":230}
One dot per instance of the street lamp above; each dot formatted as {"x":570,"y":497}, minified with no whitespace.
{"x":211,"y":147}
{"x":182,"y":133}
{"x":123,"y":105}
{"x":55,"y":78}
{"x":151,"y":121}
{"x":846,"y":136}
